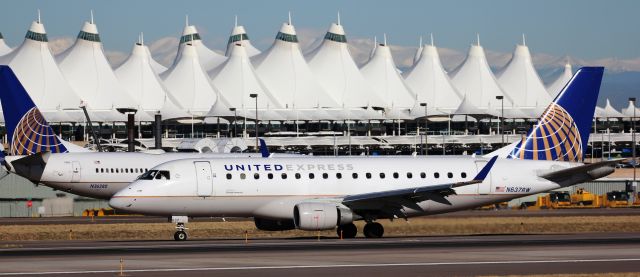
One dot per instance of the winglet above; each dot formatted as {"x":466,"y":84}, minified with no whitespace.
{"x":485,"y":170}
{"x":264,"y":150}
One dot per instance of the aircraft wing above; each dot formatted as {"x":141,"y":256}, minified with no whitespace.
{"x":581,"y":174}
{"x":391,"y":201}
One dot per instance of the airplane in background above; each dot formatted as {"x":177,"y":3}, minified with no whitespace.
{"x":323,"y":193}
{"x":39,"y":155}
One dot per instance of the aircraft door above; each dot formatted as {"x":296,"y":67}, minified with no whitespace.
{"x":75,"y":171}
{"x":204,"y":178}
{"x":484,"y":187}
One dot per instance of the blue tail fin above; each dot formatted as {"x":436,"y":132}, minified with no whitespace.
{"x":27,"y":129}
{"x":264,"y":150}
{"x":562,"y":132}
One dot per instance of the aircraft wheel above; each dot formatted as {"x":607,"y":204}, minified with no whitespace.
{"x":373,"y":230}
{"x":348,"y":231}
{"x":180,"y":235}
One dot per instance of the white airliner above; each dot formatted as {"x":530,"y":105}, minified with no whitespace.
{"x":322,"y":193}
{"x":37,"y":154}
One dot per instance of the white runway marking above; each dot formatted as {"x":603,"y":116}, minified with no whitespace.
{"x":319,"y":266}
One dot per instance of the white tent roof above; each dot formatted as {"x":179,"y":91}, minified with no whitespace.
{"x":382,"y":74}
{"x":89,"y":73}
{"x":34,"y":65}
{"x":430,"y":82}
{"x":137,"y":75}
{"x":416,"y":57}
{"x":4,"y":48}
{"x":336,"y":71}
{"x":628,"y":111}
{"x":475,"y":82}
{"x":556,"y":86}
{"x":609,"y":111}
{"x":157,"y":67}
{"x":285,"y":72}
{"x":239,"y":34}
{"x":209,"y":59}
{"x":521,"y":82}
{"x":236,"y":79}
{"x":188,"y":83}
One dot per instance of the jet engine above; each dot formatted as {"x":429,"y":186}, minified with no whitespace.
{"x":314,"y":216}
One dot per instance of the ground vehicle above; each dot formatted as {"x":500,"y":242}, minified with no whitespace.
{"x":616,"y":198}
{"x":583,"y":198}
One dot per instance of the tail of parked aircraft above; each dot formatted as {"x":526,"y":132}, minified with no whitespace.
{"x":27,"y":130}
{"x":562,"y":132}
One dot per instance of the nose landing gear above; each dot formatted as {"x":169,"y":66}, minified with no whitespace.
{"x":180,"y":234}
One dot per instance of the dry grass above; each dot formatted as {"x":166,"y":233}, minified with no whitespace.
{"x":415,"y":227}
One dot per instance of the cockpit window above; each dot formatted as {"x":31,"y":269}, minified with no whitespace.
{"x":149,"y":175}
{"x":163,"y":175}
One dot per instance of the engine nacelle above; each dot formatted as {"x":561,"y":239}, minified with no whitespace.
{"x":274,"y":224}
{"x":314,"y":216}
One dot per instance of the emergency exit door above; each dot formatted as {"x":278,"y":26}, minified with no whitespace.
{"x":204,"y":178}
{"x":75,"y":171}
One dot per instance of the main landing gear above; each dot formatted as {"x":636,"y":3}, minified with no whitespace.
{"x":180,"y":234}
{"x":371,"y":230}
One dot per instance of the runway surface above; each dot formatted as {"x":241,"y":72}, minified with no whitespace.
{"x":402,"y":256}
{"x":460,"y":214}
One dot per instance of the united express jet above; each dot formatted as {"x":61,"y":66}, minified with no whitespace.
{"x":323,"y":193}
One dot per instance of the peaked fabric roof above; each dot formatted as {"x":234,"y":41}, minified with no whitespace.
{"x":382,"y":74}
{"x":188,"y":83}
{"x":430,"y":82}
{"x":4,"y":48}
{"x":476,"y":83}
{"x":89,"y":73}
{"x":236,"y":79}
{"x":35,"y":67}
{"x":239,"y":35}
{"x":558,"y":84}
{"x":209,"y":59}
{"x":334,"y":68}
{"x":609,"y":111}
{"x":521,"y":82}
{"x":628,"y":111}
{"x":137,"y":75}
{"x":285,"y":72}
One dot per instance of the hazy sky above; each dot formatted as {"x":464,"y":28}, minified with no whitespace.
{"x":584,"y":29}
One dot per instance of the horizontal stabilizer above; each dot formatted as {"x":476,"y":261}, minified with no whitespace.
{"x":581,"y":174}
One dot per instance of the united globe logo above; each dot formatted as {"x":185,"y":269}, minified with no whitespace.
{"x":32,"y":135}
{"x":554,"y":138}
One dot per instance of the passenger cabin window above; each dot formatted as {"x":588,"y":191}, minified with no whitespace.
{"x":395,"y":175}
{"x":256,"y":176}
{"x":284,"y":175}
{"x":368,"y":175}
{"x":450,"y":175}
{"x":270,"y":175}
{"x":436,"y":175}
{"x":423,"y":175}
{"x":325,"y":175}
{"x":381,"y":175}
{"x":409,"y":175}
{"x":463,"y":175}
{"x":229,"y":176}
{"x":311,"y":176}
{"x":297,"y":175}
{"x":97,"y":171}
{"x":243,"y":176}
{"x":354,"y":175}
{"x":339,"y":175}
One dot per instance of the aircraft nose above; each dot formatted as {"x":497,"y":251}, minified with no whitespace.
{"x":121,"y":203}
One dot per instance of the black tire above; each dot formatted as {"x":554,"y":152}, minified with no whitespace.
{"x":347,"y":231}
{"x":373,"y":230}
{"x":180,"y":236}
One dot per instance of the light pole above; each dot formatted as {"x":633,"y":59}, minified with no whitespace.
{"x":255,"y":95}
{"x":426,"y":134}
{"x":501,"y":126}
{"x":633,"y":138}
{"x":235,"y":121}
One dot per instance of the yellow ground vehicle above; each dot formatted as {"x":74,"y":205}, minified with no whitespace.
{"x":554,"y":200}
{"x":616,"y":198}
{"x":583,"y":198}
